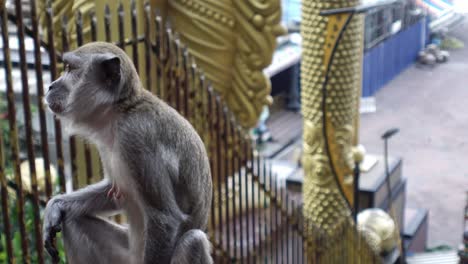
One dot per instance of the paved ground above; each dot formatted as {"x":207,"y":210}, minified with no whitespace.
{"x":431,"y":109}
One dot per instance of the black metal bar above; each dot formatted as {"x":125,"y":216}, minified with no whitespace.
{"x":237,"y":147}
{"x":107,"y":23}
{"x":250,"y":162}
{"x":133,"y":20}
{"x":148,"y":51}
{"x":169,"y":67}
{"x":187,"y":86}
{"x":28,"y":127}
{"x":228,"y":170}
{"x":5,"y":206}
{"x":287,"y":228}
{"x":243,"y":174}
{"x":53,"y":76}
{"x":212,"y":158}
{"x":87,"y":148}
{"x":219,"y":168}
{"x":121,"y":25}
{"x":294,"y":236}
{"x":161,"y":55}
{"x":177,"y":74}
{"x":272,"y":229}
{"x":93,"y":20}
{"x":40,"y":98}
{"x":221,"y":139}
{"x":357,"y":173}
{"x":72,"y":140}
{"x":277,"y":238}
{"x":265,"y":222}
{"x":260,"y":251}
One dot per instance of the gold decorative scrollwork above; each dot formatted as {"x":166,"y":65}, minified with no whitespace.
{"x":232,"y":41}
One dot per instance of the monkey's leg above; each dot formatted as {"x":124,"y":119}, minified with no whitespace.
{"x":192,"y":248}
{"x":90,"y":239}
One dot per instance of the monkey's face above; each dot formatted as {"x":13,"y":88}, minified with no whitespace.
{"x":89,"y":83}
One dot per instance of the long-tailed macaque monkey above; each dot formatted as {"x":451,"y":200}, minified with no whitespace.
{"x":156,"y":168}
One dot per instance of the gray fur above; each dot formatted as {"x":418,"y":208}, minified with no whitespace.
{"x":151,"y":155}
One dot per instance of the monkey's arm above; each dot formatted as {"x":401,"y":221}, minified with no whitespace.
{"x":90,"y":200}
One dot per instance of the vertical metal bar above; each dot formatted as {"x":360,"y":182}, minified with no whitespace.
{"x":260,"y":246}
{"x":211,"y":156}
{"x":107,"y":23}
{"x":5,"y":204}
{"x":177,"y":74}
{"x":87,"y":148}
{"x":228,"y":169}
{"x":28,"y":127}
{"x":250,"y":159}
{"x":243,"y":173}
{"x":169,"y":67}
{"x":53,"y":76}
{"x":93,"y":19}
{"x":219,"y":169}
{"x":134,"y":34}
{"x":40,"y":97}
{"x":183,"y":80}
{"x":216,"y":152}
{"x":121,"y":25}
{"x":79,"y":28}
{"x":187,"y":86}
{"x":226,"y":177}
{"x":272,"y":204}
{"x":148,"y":52}
{"x":278,"y":242}
{"x":232,"y":156}
{"x":294,"y":237}
{"x":160,"y":56}
{"x":237,"y":169}
{"x":265,"y":249}
{"x":72,"y":140}
{"x":287,"y":227}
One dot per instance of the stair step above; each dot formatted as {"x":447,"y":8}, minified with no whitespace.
{"x":415,"y":229}
{"x":449,"y":257}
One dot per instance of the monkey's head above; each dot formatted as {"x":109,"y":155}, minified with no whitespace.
{"x":96,"y":76}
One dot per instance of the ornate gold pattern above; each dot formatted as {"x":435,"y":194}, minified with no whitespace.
{"x":324,"y":204}
{"x":232,"y":41}
{"x":66,"y":9}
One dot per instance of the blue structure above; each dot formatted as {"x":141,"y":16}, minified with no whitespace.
{"x":384,"y":61}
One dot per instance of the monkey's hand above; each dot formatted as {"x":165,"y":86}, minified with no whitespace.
{"x":114,"y":192}
{"x":53,"y":217}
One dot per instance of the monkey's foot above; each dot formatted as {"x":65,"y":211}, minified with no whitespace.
{"x":114,"y":191}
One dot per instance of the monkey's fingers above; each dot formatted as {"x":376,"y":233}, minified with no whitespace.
{"x":53,"y":252}
{"x":111,"y":191}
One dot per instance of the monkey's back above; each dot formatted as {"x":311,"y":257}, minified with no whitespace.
{"x":165,"y":151}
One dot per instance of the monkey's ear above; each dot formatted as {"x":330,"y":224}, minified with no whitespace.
{"x":110,"y":68}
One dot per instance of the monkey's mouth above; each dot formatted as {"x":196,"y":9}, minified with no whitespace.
{"x":55,"y":107}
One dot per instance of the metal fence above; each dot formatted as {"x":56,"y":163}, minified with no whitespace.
{"x":253,"y":217}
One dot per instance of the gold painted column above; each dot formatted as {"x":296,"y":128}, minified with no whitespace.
{"x":330,"y":113}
